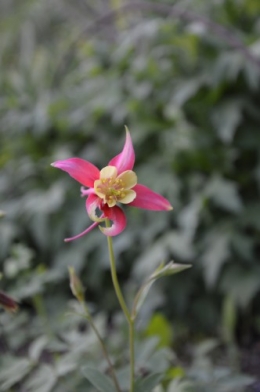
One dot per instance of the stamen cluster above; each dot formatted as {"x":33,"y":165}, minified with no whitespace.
{"x":112,"y":188}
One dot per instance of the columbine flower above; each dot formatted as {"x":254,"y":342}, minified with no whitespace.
{"x":115,"y":183}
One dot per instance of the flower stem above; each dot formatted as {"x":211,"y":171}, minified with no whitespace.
{"x":124,"y":307}
{"x":103,"y":346}
{"x":132,"y":354}
{"x":115,"y":280}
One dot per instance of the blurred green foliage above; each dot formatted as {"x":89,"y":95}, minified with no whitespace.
{"x":190,"y":97}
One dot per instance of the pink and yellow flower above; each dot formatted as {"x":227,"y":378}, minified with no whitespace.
{"x":115,"y":183}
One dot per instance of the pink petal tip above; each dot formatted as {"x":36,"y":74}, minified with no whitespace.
{"x":149,"y":200}
{"x":82,"y":171}
{"x":126,"y":159}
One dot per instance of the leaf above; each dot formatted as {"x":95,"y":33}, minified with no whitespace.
{"x":189,"y":216}
{"x":148,"y":383}
{"x":229,"y":318}
{"x":123,"y":377}
{"x":216,"y":254}
{"x":14,"y":372}
{"x":145,"y":350}
{"x":169,"y":269}
{"x":226,"y":118}
{"x":42,"y":380}
{"x":225,"y":194}
{"x":37,"y":347}
{"x":180,"y":244}
{"x":98,"y":379}
{"x":160,"y":326}
{"x":235,"y":382}
{"x":180,"y":386}
{"x":186,"y":90}
{"x":241,"y":283}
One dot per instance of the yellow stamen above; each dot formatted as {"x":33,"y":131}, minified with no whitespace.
{"x":112,"y":188}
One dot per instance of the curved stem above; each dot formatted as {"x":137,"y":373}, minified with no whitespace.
{"x":124,"y":307}
{"x":103,"y":346}
{"x":132,"y":354}
{"x":114,"y":278}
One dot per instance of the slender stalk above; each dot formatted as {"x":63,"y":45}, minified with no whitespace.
{"x":124,"y":307}
{"x":132,"y":354}
{"x":42,"y":313}
{"x":103,"y":346}
{"x":115,"y":279}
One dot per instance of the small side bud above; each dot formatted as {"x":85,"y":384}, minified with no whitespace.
{"x":8,"y":303}
{"x":2,"y":213}
{"x":76,"y":285}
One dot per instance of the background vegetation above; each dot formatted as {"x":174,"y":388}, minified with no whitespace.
{"x":186,"y":82}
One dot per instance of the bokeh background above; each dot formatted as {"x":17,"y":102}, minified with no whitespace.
{"x":184,"y":77}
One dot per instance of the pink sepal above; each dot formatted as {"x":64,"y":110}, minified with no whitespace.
{"x":86,"y":192}
{"x":117,"y":216}
{"x":79,"y":169}
{"x":126,"y":159}
{"x":83,"y":233}
{"x":149,"y":200}
{"x":93,"y":203}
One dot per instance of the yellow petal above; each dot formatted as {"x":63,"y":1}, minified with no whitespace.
{"x":130,"y":195}
{"x":97,"y":188}
{"x":129,"y":179}
{"x":111,"y":203}
{"x":108,"y":172}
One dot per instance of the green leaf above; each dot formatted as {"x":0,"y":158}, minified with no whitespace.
{"x":217,"y":251}
{"x":148,"y":383}
{"x":229,"y":318}
{"x":224,"y":194}
{"x":42,"y":380}
{"x":14,"y":372}
{"x":226,"y":119}
{"x":241,"y":283}
{"x":169,"y":269}
{"x":160,"y":327}
{"x":98,"y":379}
{"x":180,"y":386}
{"x":37,"y":347}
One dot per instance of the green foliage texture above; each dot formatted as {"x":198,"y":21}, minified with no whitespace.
{"x":188,"y":89}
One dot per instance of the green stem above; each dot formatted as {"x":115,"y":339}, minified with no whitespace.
{"x":103,"y":346}
{"x":124,"y":307}
{"x":132,"y":354}
{"x":115,"y":280}
{"x":42,"y":313}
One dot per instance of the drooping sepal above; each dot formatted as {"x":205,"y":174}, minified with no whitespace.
{"x":93,"y":203}
{"x":118,"y":218}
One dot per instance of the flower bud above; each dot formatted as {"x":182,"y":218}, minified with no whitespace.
{"x":76,"y":285}
{"x":7,"y":302}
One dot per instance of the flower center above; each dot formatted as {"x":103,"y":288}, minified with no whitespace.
{"x":112,"y":188}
